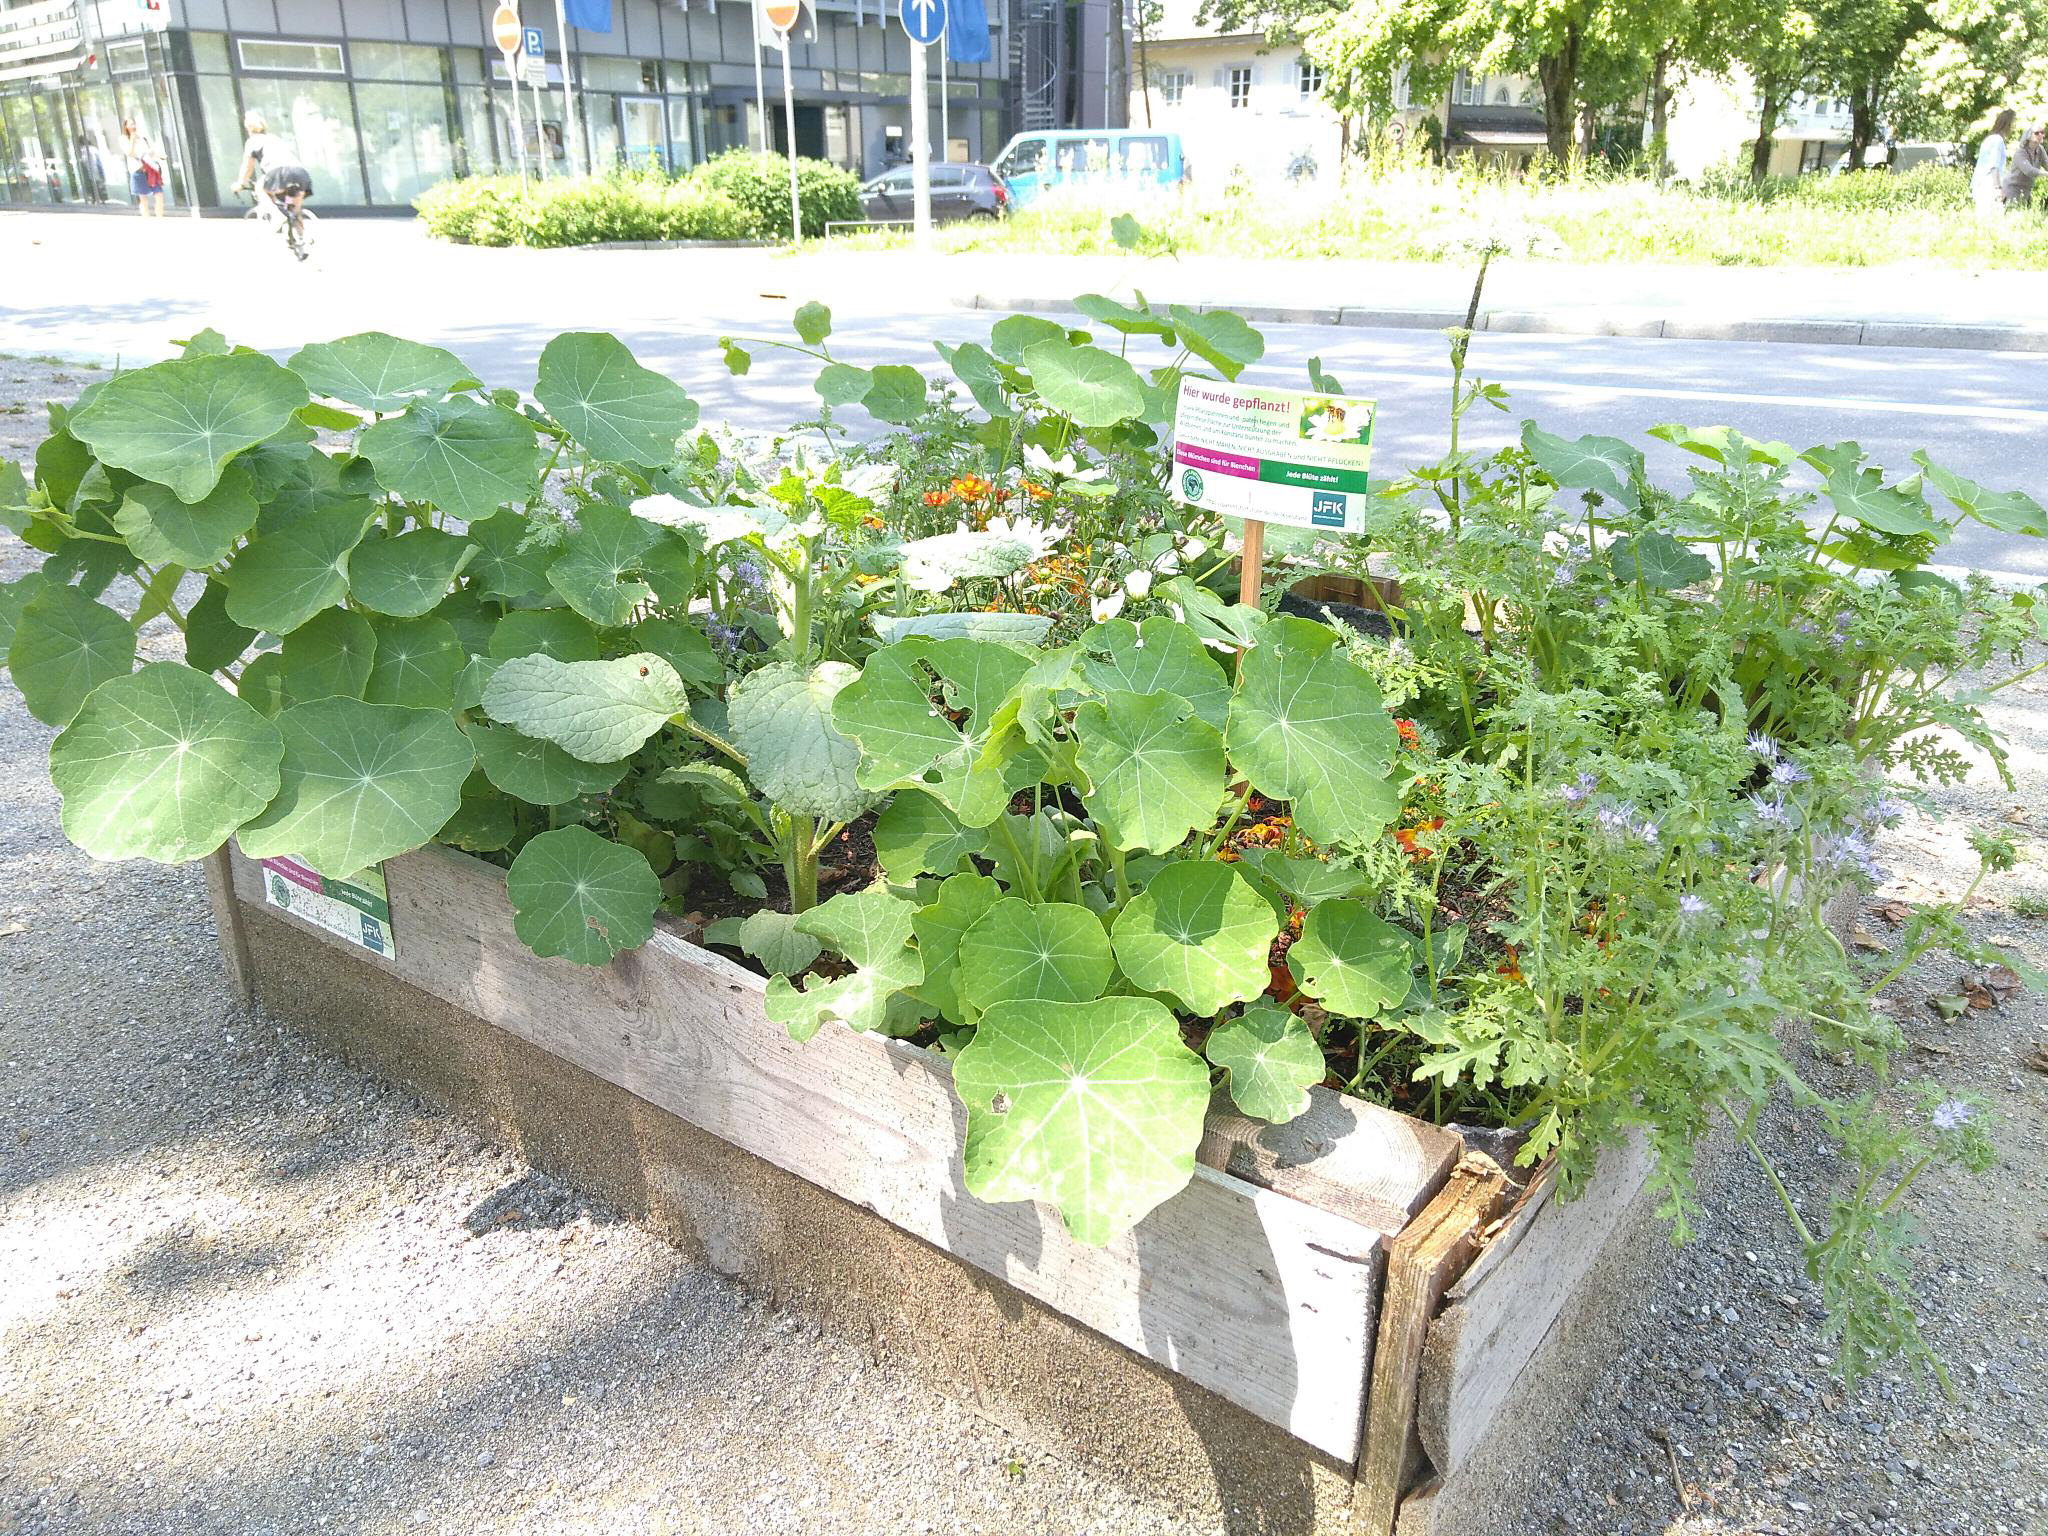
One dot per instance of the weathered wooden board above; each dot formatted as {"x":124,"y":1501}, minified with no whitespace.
{"x":1266,"y":1300}
{"x":1502,"y":1308}
{"x":1422,"y":1262}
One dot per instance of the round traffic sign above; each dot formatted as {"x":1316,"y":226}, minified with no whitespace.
{"x":781,"y":15}
{"x":923,"y":20}
{"x":506,"y":31}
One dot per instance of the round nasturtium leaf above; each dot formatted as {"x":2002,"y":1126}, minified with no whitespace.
{"x":282,"y":578}
{"x":330,"y":654}
{"x":1307,"y":725}
{"x":1094,"y":1107}
{"x":552,"y":632}
{"x":597,"y":572}
{"x":600,"y":711}
{"x":212,"y":639}
{"x":66,"y":645}
{"x":915,"y":835}
{"x":417,"y":663}
{"x":463,"y":456}
{"x":1272,"y":1058}
{"x":781,"y":719}
{"x":1198,"y":932}
{"x":939,"y":926}
{"x":407,"y":576}
{"x":179,"y":422}
{"x":538,"y":772}
{"x":1051,"y":950}
{"x":361,"y":783}
{"x":1221,"y":339}
{"x":615,"y":408}
{"x":1155,"y":773}
{"x":163,"y":530}
{"x":1091,"y":387}
{"x":506,"y":565}
{"x":1157,"y":656}
{"x":379,"y":372}
{"x":1350,"y":960}
{"x":581,"y":897}
{"x":260,"y":684}
{"x":487,"y":822}
{"x":905,"y":738}
{"x":163,"y":764}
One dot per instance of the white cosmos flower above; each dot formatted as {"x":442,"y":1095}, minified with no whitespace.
{"x":1138,"y":583}
{"x":1103,"y":609}
{"x":1040,"y":462}
{"x":1042,"y":537}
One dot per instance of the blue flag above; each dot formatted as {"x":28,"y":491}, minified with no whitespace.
{"x":966,"y":31}
{"x":590,"y":15}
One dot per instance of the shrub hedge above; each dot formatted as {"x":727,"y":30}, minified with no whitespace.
{"x":737,"y":196}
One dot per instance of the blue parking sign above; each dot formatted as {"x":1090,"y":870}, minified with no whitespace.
{"x":533,"y":44}
{"x":923,"y":20}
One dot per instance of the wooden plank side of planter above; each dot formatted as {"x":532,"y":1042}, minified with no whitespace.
{"x":1502,"y":1308}
{"x":1263,"y":1299}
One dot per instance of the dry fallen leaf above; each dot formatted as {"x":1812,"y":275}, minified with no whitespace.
{"x":2018,"y":816}
{"x":1893,"y":912}
{"x":1863,"y":938}
{"x":1948,"y":1007}
{"x":1977,"y":995}
{"x":2037,"y":1058}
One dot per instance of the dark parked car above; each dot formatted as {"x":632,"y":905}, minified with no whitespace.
{"x":958,"y":192}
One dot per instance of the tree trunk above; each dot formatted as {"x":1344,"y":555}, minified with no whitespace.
{"x":1116,"y":77}
{"x":1660,"y":112}
{"x":1144,"y":62}
{"x":1585,"y":132}
{"x":1862,"y":125}
{"x":1766,"y":121}
{"x":1557,"y":74}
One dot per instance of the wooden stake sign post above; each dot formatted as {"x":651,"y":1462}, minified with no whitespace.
{"x":1285,"y":456}
{"x":781,"y":16}
{"x":511,"y":40}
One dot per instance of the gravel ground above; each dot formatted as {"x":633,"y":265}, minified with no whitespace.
{"x":250,"y":1290}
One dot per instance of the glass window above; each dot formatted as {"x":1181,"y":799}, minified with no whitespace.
{"x":317,"y":120}
{"x":1022,"y":158}
{"x":129,"y":56}
{"x":1239,"y":82}
{"x":469,"y":66}
{"x":209,"y":52}
{"x":1173,"y":85}
{"x":406,"y":143}
{"x":396,"y":61}
{"x":481,"y":137}
{"x":1141,"y":156}
{"x":296,"y":58}
{"x":1311,"y":78}
{"x":602,"y":113}
{"x":682,"y":135}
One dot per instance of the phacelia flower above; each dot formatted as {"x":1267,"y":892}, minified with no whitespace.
{"x":1951,"y":1114}
{"x":1771,"y":812}
{"x":1691,"y":906}
{"x":1579,"y":789}
{"x":1763,"y":746}
{"x":1785,"y":771}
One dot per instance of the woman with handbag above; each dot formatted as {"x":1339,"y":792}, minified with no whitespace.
{"x":146,"y":166}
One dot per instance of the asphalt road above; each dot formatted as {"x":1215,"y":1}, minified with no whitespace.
{"x":107,"y":289}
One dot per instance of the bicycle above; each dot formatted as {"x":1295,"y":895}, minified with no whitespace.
{"x":297,"y":225}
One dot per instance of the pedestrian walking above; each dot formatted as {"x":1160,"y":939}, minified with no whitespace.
{"x":146,"y":166}
{"x":1987,"y":182}
{"x":94,"y":168}
{"x":2028,"y":161}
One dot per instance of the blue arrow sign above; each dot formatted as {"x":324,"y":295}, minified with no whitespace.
{"x":533,"y":43}
{"x":923,"y":20}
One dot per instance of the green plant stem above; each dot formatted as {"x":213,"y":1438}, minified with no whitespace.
{"x":800,"y":862}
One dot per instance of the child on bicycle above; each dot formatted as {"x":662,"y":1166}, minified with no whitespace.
{"x":286,"y":184}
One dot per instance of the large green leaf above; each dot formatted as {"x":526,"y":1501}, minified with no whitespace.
{"x":281,"y":579}
{"x":1307,"y":725}
{"x":506,"y":564}
{"x":683,"y":646}
{"x":66,"y":645}
{"x":260,"y":684}
{"x":600,"y":711}
{"x":328,"y":656}
{"x":1591,"y":463}
{"x":1861,"y":494}
{"x":772,"y":938}
{"x":162,"y":764}
{"x":895,"y":394}
{"x":973,"y":366}
{"x":1218,"y":337}
{"x":361,"y":783}
{"x":212,"y":639}
{"x":538,"y":772}
{"x":1124,"y":319}
{"x":1052,"y":950}
{"x":577,"y":896}
{"x":1093,"y":1107}
{"x":840,"y":384}
{"x":487,"y":823}
{"x":1199,"y":932}
{"x":1014,"y":629}
{"x":872,"y":929}
{"x":1014,"y":335}
{"x":916,"y":835}
{"x":1658,"y":561}
{"x":1272,"y":1058}
{"x":1154,"y":771}
{"x":1157,"y":656}
{"x":1351,"y":961}
{"x":615,"y":408}
{"x":552,"y":632}
{"x":939,"y":926}
{"x":2007,"y":511}
{"x":179,"y":422}
{"x":417,"y":663}
{"x":908,"y":740}
{"x":379,"y":372}
{"x":407,"y":576}
{"x":463,"y":456}
{"x":598,"y":572}
{"x":14,"y":596}
{"x":1089,"y":386}
{"x":781,"y":720}
{"x":162,"y":530}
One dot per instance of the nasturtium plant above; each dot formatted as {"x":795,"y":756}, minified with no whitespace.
{"x":1273,"y":1059}
{"x":580,"y":896}
{"x":599,"y":711}
{"x":1198,"y":933}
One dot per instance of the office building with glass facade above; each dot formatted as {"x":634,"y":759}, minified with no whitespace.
{"x":383,"y":98}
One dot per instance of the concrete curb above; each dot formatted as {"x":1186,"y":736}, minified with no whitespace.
{"x":1565,"y":322}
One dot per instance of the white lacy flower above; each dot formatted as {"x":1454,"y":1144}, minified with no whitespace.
{"x":868,"y":481}
{"x":1042,"y":538}
{"x":1103,"y":609}
{"x":1061,"y":468}
{"x":1002,"y":549}
{"x":1138,"y":583}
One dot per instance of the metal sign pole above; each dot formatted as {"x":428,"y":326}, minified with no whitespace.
{"x":760,"y":95}
{"x":945,"y":110}
{"x":796,"y":212}
{"x":576,"y":167}
{"x":512,"y":68}
{"x":920,"y":151}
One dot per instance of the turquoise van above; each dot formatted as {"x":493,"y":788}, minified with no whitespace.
{"x":1031,"y":162}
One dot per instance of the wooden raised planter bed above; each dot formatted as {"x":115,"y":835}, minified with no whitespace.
{"x":1326,"y":1320}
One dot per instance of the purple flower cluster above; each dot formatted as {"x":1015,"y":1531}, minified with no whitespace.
{"x":1763,"y":746}
{"x":1884,"y":811}
{"x":726,"y":637}
{"x":1847,"y":850}
{"x":1579,"y":789}
{"x":1691,"y":906}
{"x":747,"y":576}
{"x":1951,"y":1114}
{"x":1770,"y":812}
{"x":1785,"y":771}
{"x":1620,"y":820}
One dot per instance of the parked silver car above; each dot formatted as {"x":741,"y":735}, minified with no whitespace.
{"x":958,"y":192}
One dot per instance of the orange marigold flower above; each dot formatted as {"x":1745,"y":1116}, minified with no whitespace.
{"x":1040,"y":492}
{"x":937,"y":498}
{"x":971,"y":488}
{"x":872,"y":522}
{"x":1411,"y":738}
{"x":1511,"y":966}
